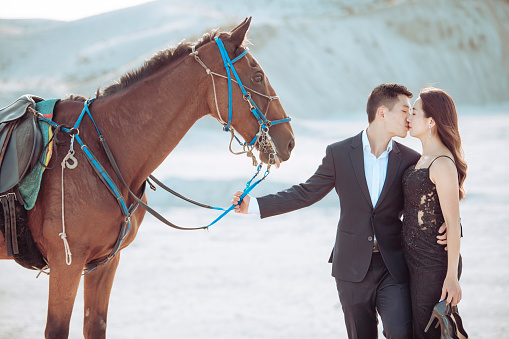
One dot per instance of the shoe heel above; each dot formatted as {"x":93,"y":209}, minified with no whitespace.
{"x":433,"y":317}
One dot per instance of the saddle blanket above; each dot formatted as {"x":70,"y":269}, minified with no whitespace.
{"x":30,"y":185}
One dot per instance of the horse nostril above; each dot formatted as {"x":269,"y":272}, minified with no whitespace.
{"x":291,"y":145}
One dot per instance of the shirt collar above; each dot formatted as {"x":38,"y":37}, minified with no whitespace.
{"x":366,"y":146}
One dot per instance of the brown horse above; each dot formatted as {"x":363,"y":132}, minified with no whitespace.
{"x":143,"y":117}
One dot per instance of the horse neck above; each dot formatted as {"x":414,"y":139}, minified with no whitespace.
{"x":144,"y":123}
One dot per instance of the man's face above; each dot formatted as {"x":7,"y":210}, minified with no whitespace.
{"x":395,"y":119}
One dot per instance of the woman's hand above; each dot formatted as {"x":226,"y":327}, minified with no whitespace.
{"x":452,"y":290}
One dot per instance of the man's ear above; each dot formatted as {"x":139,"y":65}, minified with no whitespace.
{"x":381,"y":112}
{"x":238,"y":34}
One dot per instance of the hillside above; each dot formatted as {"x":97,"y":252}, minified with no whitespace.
{"x":322,"y":57}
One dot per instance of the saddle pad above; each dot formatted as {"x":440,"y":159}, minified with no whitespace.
{"x":30,"y":185}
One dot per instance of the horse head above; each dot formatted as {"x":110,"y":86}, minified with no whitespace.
{"x":249,"y":104}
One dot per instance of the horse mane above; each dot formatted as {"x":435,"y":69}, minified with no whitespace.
{"x":156,"y":63}
{"x":76,"y":97}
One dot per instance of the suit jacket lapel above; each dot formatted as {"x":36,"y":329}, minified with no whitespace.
{"x":357,"y":157}
{"x":392,"y":171}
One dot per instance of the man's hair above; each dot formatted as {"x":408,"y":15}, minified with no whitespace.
{"x":385,"y":95}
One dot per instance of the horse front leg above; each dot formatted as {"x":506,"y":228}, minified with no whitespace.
{"x":97,"y":288}
{"x":63,"y":285}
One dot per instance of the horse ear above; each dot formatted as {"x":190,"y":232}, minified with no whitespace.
{"x":238,"y":34}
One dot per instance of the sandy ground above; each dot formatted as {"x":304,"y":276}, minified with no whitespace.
{"x":247,"y":278}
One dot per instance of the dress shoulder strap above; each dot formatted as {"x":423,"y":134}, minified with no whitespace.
{"x":440,"y":156}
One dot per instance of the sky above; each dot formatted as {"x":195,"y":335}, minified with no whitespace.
{"x":63,"y":10}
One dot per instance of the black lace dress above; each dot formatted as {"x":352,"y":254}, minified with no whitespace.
{"x":426,"y":259}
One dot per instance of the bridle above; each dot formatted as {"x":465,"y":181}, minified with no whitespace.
{"x":265,"y":143}
{"x":262,"y":137}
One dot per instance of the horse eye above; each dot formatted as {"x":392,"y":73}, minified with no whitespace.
{"x":258,"y":77}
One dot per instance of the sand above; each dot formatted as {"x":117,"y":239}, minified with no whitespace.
{"x":251,"y":278}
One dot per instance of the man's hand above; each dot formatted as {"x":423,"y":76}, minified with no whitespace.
{"x":243,"y":208}
{"x":442,"y":238}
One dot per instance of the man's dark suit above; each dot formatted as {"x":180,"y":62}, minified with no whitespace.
{"x":342,"y":168}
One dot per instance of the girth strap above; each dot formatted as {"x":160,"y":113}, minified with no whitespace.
{"x":11,"y":239}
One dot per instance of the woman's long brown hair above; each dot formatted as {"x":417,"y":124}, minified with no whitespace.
{"x":439,"y":105}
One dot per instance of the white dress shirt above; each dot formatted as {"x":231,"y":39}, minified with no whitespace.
{"x":253,"y":207}
{"x":375,"y":171}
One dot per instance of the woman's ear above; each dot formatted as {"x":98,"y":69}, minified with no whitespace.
{"x":432,"y":122}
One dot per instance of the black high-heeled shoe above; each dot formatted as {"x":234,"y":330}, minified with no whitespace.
{"x":454,"y":327}
{"x":459,"y":323}
{"x":442,"y":312}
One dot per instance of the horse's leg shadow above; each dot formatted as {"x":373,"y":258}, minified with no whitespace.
{"x":97,"y":288}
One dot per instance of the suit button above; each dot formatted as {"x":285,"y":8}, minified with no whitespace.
{"x":370,"y":238}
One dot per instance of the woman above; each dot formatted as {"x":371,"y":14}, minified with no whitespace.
{"x":433,"y":188}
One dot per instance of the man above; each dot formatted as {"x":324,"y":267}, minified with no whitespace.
{"x":367,"y":259}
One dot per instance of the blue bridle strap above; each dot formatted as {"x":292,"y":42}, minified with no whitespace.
{"x":87,"y":111}
{"x":226,"y":61}
{"x":240,"y":56}
{"x":260,"y":117}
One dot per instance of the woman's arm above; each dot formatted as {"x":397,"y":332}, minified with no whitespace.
{"x":445,"y":176}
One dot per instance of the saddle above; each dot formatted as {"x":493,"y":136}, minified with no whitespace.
{"x":21,"y":144}
{"x":21,"y":141}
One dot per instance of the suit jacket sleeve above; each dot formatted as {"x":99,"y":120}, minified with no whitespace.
{"x":301,"y":195}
